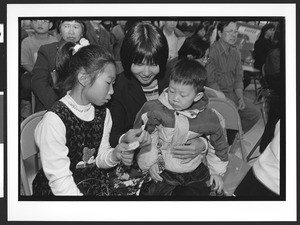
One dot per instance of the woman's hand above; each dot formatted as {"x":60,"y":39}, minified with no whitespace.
{"x":217,"y":179}
{"x":154,"y":173}
{"x":140,"y":135}
{"x":190,"y":150}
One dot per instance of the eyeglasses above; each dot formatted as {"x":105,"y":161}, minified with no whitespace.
{"x":231,"y":31}
{"x":41,"y":21}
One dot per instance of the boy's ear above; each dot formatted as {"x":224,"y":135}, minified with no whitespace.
{"x":198,"y":96}
{"x":83,"y":78}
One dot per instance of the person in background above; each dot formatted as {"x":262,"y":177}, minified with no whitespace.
{"x":144,"y":54}
{"x":201,"y":31}
{"x":179,"y":115}
{"x":274,"y":78}
{"x":43,"y":73}
{"x":29,"y":49}
{"x":263,"y":179}
{"x":97,"y":34}
{"x":263,"y":45}
{"x":225,"y":73}
{"x":175,"y":37}
{"x":31,"y":44}
{"x":73,"y":135}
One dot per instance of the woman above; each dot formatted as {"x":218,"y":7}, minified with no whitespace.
{"x":144,"y":54}
{"x":71,"y":30}
{"x":263,"y":45}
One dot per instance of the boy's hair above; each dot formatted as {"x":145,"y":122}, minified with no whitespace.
{"x":91,"y":58}
{"x":189,"y":72}
{"x":194,"y":46}
{"x":144,"y":41}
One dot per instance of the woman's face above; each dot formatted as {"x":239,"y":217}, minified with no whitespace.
{"x":145,"y":73}
{"x":101,"y":90}
{"x":71,"y":31}
{"x":201,"y":32}
{"x":269,"y":33}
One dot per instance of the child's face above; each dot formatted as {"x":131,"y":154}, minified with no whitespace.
{"x":41,"y":26}
{"x":144,"y":73}
{"x":71,"y":31}
{"x":181,"y":96}
{"x":101,"y":90}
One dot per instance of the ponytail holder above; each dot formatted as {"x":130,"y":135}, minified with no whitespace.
{"x":82,"y":42}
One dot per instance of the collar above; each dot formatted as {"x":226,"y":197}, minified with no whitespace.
{"x":225,"y":47}
{"x":191,"y":112}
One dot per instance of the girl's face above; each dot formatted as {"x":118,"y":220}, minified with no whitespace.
{"x":181,"y":96}
{"x":145,"y":73}
{"x":71,"y":31}
{"x":101,"y":90}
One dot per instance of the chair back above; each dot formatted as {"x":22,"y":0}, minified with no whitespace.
{"x":212,"y":93}
{"x":232,"y":120}
{"x":30,"y":162}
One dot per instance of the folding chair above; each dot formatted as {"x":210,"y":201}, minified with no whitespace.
{"x":212,"y":93}
{"x":29,"y":156}
{"x":232,"y":121}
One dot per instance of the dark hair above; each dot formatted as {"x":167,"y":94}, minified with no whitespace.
{"x":264,"y":30}
{"x":144,"y":41}
{"x":59,"y":23}
{"x":201,"y":26}
{"x":194,"y":46}
{"x":189,"y":72}
{"x":91,"y":58}
{"x":221,"y":25}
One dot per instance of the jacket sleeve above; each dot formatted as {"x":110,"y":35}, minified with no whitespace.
{"x":118,"y":114}
{"x":239,"y":74}
{"x":211,"y":70}
{"x":41,"y":78}
{"x":217,"y":156}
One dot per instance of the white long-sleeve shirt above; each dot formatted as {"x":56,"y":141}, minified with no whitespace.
{"x":267,"y":166}
{"x":50,"y":137}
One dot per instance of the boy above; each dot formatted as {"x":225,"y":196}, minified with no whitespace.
{"x":31,"y":44}
{"x":179,"y":115}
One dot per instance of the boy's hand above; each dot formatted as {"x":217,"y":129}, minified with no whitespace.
{"x":218,"y":181}
{"x":154,"y":173}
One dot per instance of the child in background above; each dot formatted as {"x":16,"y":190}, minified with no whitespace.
{"x":73,"y":134}
{"x":179,"y":115}
{"x":29,"y":49}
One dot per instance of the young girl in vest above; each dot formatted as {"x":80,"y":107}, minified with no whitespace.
{"x":73,"y":134}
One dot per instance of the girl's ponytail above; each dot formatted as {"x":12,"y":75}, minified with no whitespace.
{"x":63,"y":58}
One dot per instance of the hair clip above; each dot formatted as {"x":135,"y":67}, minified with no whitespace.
{"x":82,"y":42}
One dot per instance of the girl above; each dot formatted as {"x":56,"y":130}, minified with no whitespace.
{"x":73,"y":134}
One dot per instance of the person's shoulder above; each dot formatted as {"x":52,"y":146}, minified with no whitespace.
{"x":49,"y":47}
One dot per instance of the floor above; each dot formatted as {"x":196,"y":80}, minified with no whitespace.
{"x":237,"y":168}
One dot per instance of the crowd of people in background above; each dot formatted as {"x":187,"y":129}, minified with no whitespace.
{"x":126,"y":65}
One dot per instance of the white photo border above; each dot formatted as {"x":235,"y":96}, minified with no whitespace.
{"x":150,"y":210}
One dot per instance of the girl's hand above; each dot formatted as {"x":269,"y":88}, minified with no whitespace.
{"x":137,"y":135}
{"x":190,"y":150}
{"x":123,"y":152}
{"x":218,"y":180}
{"x":154,"y":173}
